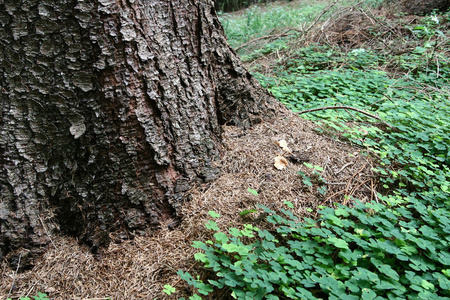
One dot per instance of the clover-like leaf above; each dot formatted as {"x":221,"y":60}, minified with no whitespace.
{"x":213,"y":214}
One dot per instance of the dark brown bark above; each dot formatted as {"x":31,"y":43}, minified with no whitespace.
{"x":416,"y":7}
{"x":110,"y":111}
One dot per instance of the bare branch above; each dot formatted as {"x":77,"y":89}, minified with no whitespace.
{"x":346,"y":107}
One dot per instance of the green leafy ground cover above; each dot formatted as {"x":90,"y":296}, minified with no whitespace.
{"x":393,"y":248}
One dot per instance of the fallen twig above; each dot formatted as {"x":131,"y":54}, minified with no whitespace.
{"x":346,"y":190}
{"x":346,"y":107}
{"x":15,"y":274}
{"x":343,"y":167}
{"x":356,"y":188}
{"x":46,"y":231}
{"x":270,"y":36}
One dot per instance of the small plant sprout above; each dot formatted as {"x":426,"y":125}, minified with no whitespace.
{"x":168,"y":289}
{"x":252,"y":191}
{"x":39,"y":296}
{"x":214,"y":214}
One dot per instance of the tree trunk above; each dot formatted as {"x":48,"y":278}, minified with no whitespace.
{"x":110,"y":111}
{"x":416,"y":7}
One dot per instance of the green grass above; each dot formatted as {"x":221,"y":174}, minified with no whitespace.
{"x":393,"y":248}
{"x":258,"y":21}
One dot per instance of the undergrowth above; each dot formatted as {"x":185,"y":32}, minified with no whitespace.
{"x":368,"y":251}
{"x":394,"y":248}
{"x":256,"y":21}
{"x":40,"y":296}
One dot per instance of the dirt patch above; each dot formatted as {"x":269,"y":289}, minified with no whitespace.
{"x":139,"y":268}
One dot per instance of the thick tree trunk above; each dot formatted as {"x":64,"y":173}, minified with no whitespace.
{"x":416,"y":7}
{"x":110,"y":111}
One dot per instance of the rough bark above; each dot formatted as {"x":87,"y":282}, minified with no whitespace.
{"x":416,"y":7}
{"x":111,"y":109}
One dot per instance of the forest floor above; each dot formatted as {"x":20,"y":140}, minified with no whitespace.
{"x":139,"y":268}
{"x":317,"y":169}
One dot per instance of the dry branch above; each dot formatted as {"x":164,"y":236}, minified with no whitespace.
{"x":345,"y":107}
{"x":270,"y":37}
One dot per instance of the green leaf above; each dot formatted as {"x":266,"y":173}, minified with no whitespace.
{"x":168,"y":289}
{"x":186,"y":277}
{"x":385,"y":285}
{"x":318,"y":168}
{"x":341,"y":212}
{"x":427,"y":285}
{"x":289,"y":204}
{"x":340,"y":243}
{"x":308,"y":165}
{"x":307,"y":181}
{"x":221,"y":237}
{"x":203,"y":288}
{"x":247,"y":212}
{"x":388,"y":271}
{"x":444,"y":283}
{"x":252,"y":191}
{"x":198,"y":244}
{"x":41,"y":296}
{"x":446,"y":272}
{"x":385,"y":269}
{"x":200,"y":257}
{"x":211,"y":225}
{"x":368,"y":294}
{"x":235,"y":232}
{"x":213,"y":214}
